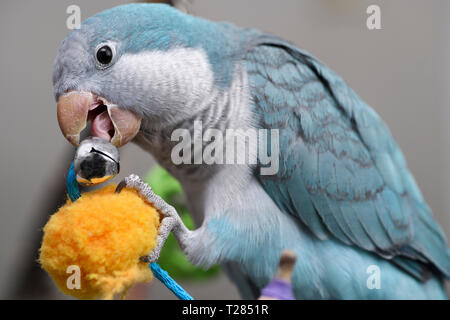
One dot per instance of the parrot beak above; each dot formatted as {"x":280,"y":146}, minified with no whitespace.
{"x":109,"y":121}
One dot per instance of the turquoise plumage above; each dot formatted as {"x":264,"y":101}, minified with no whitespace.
{"x":341,"y":171}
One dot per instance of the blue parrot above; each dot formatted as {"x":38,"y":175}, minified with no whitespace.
{"x":342,"y":198}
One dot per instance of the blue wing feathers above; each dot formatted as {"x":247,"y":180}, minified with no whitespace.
{"x":341,"y":171}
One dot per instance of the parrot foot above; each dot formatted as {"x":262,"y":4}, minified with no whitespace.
{"x":170,"y":222}
{"x":165,"y":227}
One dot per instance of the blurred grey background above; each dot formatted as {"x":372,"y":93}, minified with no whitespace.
{"x":402,"y":71}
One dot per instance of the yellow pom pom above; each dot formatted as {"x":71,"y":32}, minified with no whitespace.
{"x":104,"y":234}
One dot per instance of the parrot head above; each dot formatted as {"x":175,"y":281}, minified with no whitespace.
{"x":139,"y":65}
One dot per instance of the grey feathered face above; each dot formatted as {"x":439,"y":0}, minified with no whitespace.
{"x":104,"y":77}
{"x":83,"y":79}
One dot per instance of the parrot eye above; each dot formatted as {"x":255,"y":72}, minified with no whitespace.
{"x":104,"y":55}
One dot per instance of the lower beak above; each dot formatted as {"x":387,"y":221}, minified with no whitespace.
{"x":109,"y":121}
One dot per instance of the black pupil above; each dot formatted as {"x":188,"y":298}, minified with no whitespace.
{"x":104,"y":55}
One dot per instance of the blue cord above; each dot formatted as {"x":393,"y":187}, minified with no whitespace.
{"x":164,"y":277}
{"x":74,"y":193}
{"x":72,"y":184}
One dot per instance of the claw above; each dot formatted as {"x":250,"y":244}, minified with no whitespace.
{"x":145,"y":259}
{"x":122,"y":184}
{"x":154,"y":255}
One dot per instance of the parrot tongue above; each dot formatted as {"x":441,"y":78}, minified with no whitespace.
{"x":102,"y":126}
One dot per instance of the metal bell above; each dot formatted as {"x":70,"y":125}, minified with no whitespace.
{"x":96,"y":161}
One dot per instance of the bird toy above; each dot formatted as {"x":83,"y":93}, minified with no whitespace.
{"x":106,"y":234}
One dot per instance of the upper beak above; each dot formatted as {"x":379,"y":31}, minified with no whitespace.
{"x":114,"y":124}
